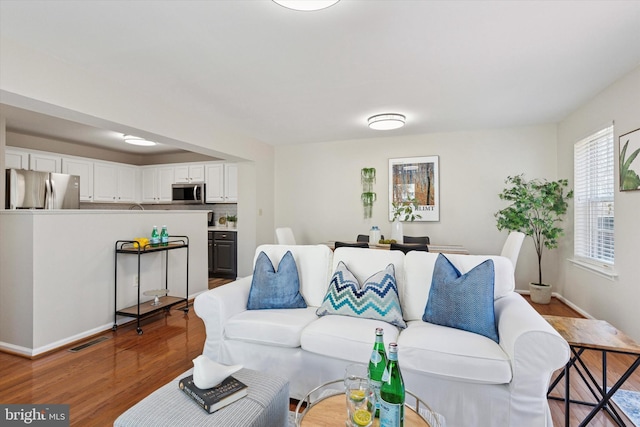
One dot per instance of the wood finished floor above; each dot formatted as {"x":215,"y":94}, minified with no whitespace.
{"x":104,"y":380}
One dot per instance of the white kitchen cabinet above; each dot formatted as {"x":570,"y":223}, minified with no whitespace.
{"x":84,"y":169}
{"x":45,"y":162}
{"x":114,"y":183}
{"x":231,"y":182}
{"x":16,"y":159}
{"x":166,"y":178}
{"x":127,"y":184}
{"x":156,"y":184}
{"x":189,"y":173}
{"x":222,"y":183}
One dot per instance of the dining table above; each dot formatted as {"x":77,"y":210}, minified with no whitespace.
{"x":436,"y":248}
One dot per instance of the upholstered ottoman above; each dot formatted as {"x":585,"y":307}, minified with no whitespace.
{"x":266,"y":405}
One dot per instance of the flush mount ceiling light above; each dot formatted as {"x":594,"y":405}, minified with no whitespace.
{"x":386,"y":121}
{"x":136,"y":140}
{"x":306,"y":5}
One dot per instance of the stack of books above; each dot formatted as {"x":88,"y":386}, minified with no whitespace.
{"x":212,"y":399}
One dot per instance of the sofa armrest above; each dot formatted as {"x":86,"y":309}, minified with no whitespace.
{"x":218,"y":305}
{"x":536,"y":351}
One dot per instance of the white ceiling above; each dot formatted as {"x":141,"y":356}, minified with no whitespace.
{"x":287,"y":77}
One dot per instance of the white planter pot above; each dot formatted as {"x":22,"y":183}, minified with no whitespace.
{"x":540,"y":294}
{"x":396,"y":231}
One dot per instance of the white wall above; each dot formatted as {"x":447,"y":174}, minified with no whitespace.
{"x":72,"y":94}
{"x":318,"y":187}
{"x":613,"y":300}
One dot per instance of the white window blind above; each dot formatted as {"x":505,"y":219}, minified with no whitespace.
{"x":593,"y":196}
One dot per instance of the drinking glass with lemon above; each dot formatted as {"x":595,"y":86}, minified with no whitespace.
{"x":360,"y":397}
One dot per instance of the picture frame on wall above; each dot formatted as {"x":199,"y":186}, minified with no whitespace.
{"x":416,"y":178}
{"x":630,"y":160}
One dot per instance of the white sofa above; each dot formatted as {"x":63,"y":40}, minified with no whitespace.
{"x":468,"y":378}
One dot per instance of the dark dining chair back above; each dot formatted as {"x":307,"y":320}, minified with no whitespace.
{"x":407,"y":248}
{"x":351,"y":245}
{"x":424,"y":240}
{"x":365,"y":238}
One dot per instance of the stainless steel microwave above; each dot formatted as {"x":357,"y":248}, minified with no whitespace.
{"x":193,"y":192}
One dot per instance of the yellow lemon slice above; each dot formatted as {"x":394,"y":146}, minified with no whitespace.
{"x":357,"y":395}
{"x":362,"y":417}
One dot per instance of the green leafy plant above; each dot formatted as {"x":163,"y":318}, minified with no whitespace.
{"x":232,"y":218}
{"x":629,"y":179}
{"x":368,"y":177}
{"x":405,"y":211}
{"x":537,"y":206}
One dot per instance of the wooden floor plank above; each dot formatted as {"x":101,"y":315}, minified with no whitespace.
{"x":104,"y":380}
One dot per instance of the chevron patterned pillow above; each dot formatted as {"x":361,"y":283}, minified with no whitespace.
{"x":377,"y":299}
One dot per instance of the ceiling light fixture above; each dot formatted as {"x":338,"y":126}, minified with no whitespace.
{"x":136,"y":140}
{"x":386,"y":121}
{"x":306,"y":5}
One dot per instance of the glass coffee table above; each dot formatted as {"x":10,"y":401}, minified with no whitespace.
{"x":326,"y":405}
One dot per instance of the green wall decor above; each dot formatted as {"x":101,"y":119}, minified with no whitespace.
{"x":368,"y":177}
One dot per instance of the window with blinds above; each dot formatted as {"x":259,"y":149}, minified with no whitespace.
{"x":593,"y":196}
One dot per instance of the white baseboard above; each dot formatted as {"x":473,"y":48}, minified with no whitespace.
{"x":564,"y":300}
{"x":32,"y":352}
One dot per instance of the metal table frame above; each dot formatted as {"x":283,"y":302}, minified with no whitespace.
{"x":132,"y":247}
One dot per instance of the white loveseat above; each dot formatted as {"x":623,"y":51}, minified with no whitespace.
{"x":468,"y":378}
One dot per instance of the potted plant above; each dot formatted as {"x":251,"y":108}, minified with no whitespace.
{"x":402,"y":211}
{"x":231,"y":221}
{"x":537,"y":206}
{"x":368,"y":178}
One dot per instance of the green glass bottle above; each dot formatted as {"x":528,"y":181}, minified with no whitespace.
{"x":377,"y":365}
{"x":155,"y":237}
{"x":164,"y":236}
{"x":392,"y":392}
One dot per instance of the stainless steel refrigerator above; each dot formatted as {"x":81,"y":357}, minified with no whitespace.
{"x":41,"y":190}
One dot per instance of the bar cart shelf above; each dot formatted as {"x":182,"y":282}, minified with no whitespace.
{"x":164,"y":302}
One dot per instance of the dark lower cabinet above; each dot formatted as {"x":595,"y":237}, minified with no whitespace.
{"x":225,"y":263}
{"x":210,"y":254}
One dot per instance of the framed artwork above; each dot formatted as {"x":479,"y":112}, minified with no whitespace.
{"x":416,"y":178}
{"x":630,"y":161}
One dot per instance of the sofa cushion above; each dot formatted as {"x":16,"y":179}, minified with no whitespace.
{"x":462,"y":301}
{"x":364,"y":263}
{"x":346,"y":338}
{"x":452,"y":353}
{"x":277,"y":327}
{"x":377,"y":298}
{"x":314,"y":267}
{"x":418,"y":268}
{"x":275,"y":289}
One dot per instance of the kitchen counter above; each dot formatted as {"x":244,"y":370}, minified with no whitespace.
{"x":57,"y":271}
{"x":222,"y":228}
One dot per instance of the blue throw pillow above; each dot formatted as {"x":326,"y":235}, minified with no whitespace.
{"x":462,"y":301}
{"x":377,"y":299}
{"x":271,"y":289}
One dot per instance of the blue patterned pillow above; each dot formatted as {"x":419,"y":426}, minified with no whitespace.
{"x":462,"y":301}
{"x":271,"y":289}
{"x":377,"y":299}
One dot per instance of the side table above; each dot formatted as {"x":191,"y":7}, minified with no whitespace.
{"x":591,"y":334}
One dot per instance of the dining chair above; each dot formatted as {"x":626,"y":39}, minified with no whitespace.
{"x":284,"y":236}
{"x":407,"y":248}
{"x":365,"y":238}
{"x":422,"y":239}
{"x":351,"y":245}
{"x":512,"y":245}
